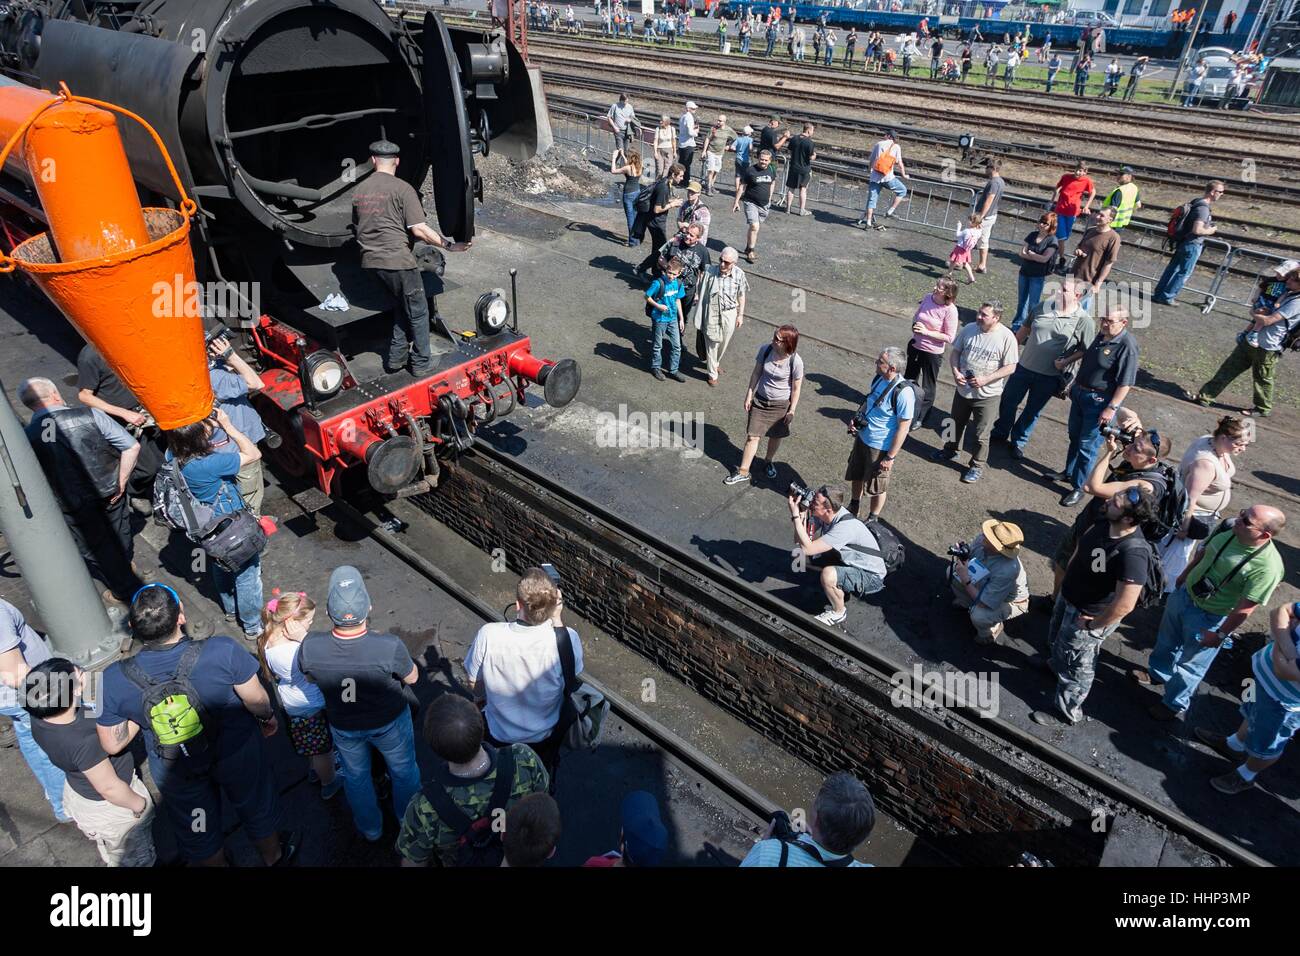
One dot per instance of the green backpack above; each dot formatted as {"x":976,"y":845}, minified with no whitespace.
{"x":178,"y":726}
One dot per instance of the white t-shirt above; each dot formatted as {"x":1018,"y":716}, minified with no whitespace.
{"x":523,"y":681}
{"x":299,"y":696}
{"x":885,"y":146}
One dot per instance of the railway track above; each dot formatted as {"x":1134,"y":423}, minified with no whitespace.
{"x":1151,"y":115}
{"x":608,"y":535}
{"x":757,"y":97}
{"x":853,"y":160}
{"x":1058,"y":124}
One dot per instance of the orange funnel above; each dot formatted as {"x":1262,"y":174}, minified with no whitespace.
{"x":122,"y":275}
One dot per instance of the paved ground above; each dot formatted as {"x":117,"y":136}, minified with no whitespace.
{"x":852,"y":293}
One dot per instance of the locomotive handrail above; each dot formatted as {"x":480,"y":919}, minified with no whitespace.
{"x":314,"y":121}
{"x":187,"y":207}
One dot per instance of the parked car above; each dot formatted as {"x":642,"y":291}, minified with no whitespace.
{"x":1091,"y":18}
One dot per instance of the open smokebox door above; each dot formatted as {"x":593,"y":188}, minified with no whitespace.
{"x":479,"y":96}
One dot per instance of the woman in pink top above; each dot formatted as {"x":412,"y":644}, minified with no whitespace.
{"x":933,"y":327}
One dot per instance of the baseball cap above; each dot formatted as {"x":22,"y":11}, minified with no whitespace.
{"x":691,"y":106}
{"x":1126,"y":170}
{"x":348,"y":602}
{"x":694,"y":186}
{"x":644,"y":836}
{"x":1003,"y":536}
{"x":1284,"y":269}
{"x":891,"y":133}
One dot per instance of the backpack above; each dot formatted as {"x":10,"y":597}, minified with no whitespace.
{"x":1291,"y":338}
{"x":1178,"y":220}
{"x":885,"y":163}
{"x":888,"y":548}
{"x":1153,"y":591}
{"x":178,"y":727}
{"x":839,"y":861}
{"x":644,"y":201}
{"x":584,"y":708}
{"x":1171,"y":507}
{"x":903,"y":383}
{"x":231,"y":540}
{"x":478,"y":843}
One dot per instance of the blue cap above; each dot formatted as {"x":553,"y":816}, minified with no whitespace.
{"x":645,"y":838}
{"x":348,"y":602}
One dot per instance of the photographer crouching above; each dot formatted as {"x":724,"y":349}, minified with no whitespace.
{"x":845,"y":549}
{"x":988,"y":579}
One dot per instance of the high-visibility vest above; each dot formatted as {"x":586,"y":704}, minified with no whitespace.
{"x":1124,"y":198}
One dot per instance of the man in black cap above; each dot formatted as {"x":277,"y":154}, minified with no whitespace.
{"x":386,"y":212}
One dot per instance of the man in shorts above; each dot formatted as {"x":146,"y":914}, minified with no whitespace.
{"x":844,"y":550}
{"x":879,"y":429}
{"x":986,"y":205}
{"x":887,"y":171}
{"x":756,"y":194}
{"x":715,"y":144}
{"x":802,"y":154}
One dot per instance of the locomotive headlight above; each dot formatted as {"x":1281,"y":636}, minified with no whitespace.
{"x":491,"y":312}
{"x":325,"y":373}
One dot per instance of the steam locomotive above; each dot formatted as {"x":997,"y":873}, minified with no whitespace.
{"x":267,"y":108}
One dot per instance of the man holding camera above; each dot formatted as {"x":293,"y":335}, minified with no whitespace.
{"x":843,"y":816}
{"x":988,"y":579}
{"x":1232,"y":573}
{"x":1139,"y":451}
{"x":1107,"y":372}
{"x":1103,"y":581}
{"x":853,"y":562}
{"x":879,"y":429}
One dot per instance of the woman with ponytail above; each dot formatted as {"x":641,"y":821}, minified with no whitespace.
{"x":286,"y":620}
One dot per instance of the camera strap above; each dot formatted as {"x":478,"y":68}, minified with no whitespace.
{"x":1245,"y":559}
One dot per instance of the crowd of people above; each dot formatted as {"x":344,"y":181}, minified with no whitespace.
{"x":1150,"y":533}
{"x":949,"y":60}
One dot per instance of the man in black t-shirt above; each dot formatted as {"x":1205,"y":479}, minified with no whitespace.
{"x":756,"y":193}
{"x":1103,"y":581}
{"x":99,"y":387}
{"x":802,"y":154}
{"x":362,"y":676}
{"x":656,"y":217}
{"x":936,"y":56}
{"x":772,"y":137}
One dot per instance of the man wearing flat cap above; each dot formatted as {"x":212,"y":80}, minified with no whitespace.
{"x":386,"y":213}
{"x":990,"y":582}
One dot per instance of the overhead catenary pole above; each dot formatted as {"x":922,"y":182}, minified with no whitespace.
{"x":1187,"y":51}
{"x":31,"y":520}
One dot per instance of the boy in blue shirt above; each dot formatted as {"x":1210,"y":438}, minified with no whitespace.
{"x":664,"y":306}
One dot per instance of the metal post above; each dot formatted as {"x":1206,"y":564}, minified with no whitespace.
{"x":66,"y":598}
{"x":1187,"y":51}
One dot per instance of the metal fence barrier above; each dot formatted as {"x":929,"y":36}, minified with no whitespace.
{"x":1229,"y":277}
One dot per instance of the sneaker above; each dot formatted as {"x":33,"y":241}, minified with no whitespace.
{"x":943,"y":454}
{"x":657,"y":373}
{"x":831,"y":619}
{"x":677,"y":376}
{"x":871,"y":519}
{"x":1232,"y":783}
{"x":891,"y":214}
{"x":332,"y":789}
{"x":289,"y":843}
{"x":771,"y":469}
{"x":972,"y":474}
{"x":1218,"y":743}
{"x":1050,"y":718}
{"x":861,"y":224}
{"x":1017,"y":453}
{"x":804,"y":212}
{"x":736,"y":478}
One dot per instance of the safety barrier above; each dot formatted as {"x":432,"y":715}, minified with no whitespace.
{"x":1225,"y":275}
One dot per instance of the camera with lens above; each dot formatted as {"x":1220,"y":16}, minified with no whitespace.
{"x":803,"y":494}
{"x":782,"y":828}
{"x":1204,"y":589}
{"x":960,"y":551}
{"x":1111,"y":430}
{"x":858,"y":423}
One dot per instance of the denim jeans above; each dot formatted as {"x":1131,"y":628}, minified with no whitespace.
{"x":241,"y":593}
{"x":1074,"y":657}
{"x":1193,"y":94}
{"x":1179,"y":660}
{"x":1178,"y":271}
{"x":1033,"y":388}
{"x":1064,"y":225}
{"x":1030,"y":293}
{"x":629,"y":210}
{"x":1085,"y":434}
{"x":674,"y":334}
{"x":50,"y":777}
{"x":395,"y":741}
{"x":889,"y":182}
{"x":744,"y":44}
